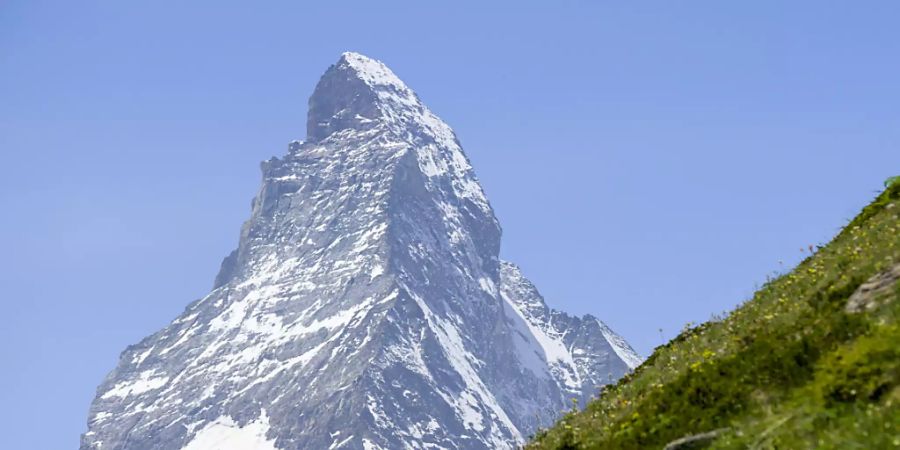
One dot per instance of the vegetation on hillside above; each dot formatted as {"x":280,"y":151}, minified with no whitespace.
{"x":794,"y":367}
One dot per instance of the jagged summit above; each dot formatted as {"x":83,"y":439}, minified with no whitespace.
{"x":372,"y":71}
{"x":366,"y":306}
{"x":358,"y":92}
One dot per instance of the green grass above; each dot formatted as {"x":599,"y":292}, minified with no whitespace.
{"x":788,"y":369}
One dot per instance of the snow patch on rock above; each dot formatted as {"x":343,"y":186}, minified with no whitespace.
{"x":225,"y":434}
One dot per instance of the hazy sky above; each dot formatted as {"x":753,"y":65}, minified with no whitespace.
{"x":649,"y":164}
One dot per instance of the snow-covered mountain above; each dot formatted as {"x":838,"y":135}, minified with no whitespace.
{"x":364,"y":308}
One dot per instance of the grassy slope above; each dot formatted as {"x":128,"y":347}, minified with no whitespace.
{"x":788,"y":369}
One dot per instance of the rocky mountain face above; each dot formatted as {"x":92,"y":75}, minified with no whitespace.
{"x":364,"y":308}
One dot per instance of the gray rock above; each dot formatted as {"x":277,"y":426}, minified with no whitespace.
{"x":868,"y":295}
{"x":365,"y":306}
{"x":695,"y":441}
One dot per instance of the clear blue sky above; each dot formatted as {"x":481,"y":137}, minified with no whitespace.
{"x":649,"y":164}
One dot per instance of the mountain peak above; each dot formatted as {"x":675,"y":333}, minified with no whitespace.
{"x":365,"y":306}
{"x":372,"y":71}
{"x":355,"y":93}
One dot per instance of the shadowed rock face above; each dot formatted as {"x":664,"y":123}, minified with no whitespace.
{"x":341,"y":101}
{"x":365,"y":306}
